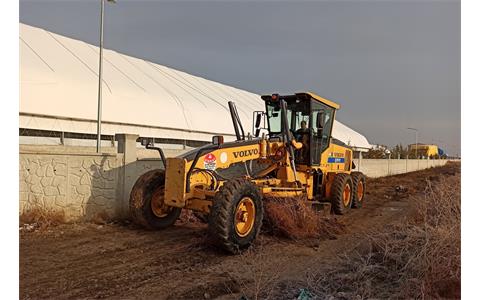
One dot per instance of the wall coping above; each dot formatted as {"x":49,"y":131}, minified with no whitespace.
{"x":39,"y":152}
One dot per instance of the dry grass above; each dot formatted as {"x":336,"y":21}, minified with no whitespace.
{"x":438,"y":262}
{"x":295,"y":219}
{"x":39,"y":218}
{"x":187,"y":217}
{"x":101,"y":218}
{"x":193,"y":218}
{"x":258,"y":280}
{"x":418,"y":259}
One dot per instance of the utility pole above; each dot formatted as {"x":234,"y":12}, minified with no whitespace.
{"x":100,"y":69}
{"x":416,"y":140}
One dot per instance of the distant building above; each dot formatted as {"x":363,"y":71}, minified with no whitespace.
{"x":423,"y":150}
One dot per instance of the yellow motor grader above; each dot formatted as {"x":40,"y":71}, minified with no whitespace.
{"x":290,"y":154}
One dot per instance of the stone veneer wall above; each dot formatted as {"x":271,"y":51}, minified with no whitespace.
{"x":80,"y":185}
{"x":83,"y":184}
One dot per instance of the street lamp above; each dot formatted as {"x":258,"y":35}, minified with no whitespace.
{"x":100,"y":65}
{"x":416,"y":140}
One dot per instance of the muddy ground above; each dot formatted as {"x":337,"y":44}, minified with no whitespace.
{"x":122,"y":261}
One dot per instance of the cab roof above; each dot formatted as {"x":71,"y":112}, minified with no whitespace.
{"x":303,"y":96}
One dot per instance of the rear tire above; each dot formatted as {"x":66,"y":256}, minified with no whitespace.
{"x":359,"y":188}
{"x":201,"y":217}
{"x":342,"y":193}
{"x":148,"y":187}
{"x":236,"y":215}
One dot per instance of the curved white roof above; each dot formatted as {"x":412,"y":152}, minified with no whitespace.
{"x":59,"y":86}
{"x":349,"y":136}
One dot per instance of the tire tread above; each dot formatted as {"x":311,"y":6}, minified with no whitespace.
{"x":339,"y":182}
{"x":222,"y":213}
{"x":356,"y":176}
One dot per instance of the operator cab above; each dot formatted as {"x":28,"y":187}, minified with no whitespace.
{"x":314,"y":111}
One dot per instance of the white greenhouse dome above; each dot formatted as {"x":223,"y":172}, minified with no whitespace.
{"x":59,"y":86}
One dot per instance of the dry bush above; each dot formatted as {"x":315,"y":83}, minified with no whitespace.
{"x":190,"y":217}
{"x":254,"y":274}
{"x":419,"y":258}
{"x":294,"y":218}
{"x":186,"y":216}
{"x":440,"y":219}
{"x":41,"y":218}
{"x":100,"y":218}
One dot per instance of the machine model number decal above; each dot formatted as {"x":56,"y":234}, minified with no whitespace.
{"x":336,"y":160}
{"x":244,"y":153}
{"x":210,"y":162}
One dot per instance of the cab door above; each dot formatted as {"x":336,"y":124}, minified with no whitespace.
{"x":320,"y":131}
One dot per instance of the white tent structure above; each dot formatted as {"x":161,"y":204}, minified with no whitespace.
{"x":59,"y":85}
{"x":350,"y":137}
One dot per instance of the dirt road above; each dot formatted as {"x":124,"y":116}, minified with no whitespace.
{"x":122,"y":261}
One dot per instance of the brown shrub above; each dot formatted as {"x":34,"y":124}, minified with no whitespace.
{"x":419,"y":258}
{"x":190,"y":217}
{"x":40,"y":218}
{"x":439,"y":255}
{"x":100,"y":218}
{"x":256,"y":274}
{"x":294,"y":218}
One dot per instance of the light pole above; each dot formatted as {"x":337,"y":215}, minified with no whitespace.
{"x":100,"y":65}
{"x":416,"y":140}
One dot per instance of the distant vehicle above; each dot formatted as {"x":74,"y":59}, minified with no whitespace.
{"x":423,"y":150}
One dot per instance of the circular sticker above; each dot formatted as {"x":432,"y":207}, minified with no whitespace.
{"x":223,"y":157}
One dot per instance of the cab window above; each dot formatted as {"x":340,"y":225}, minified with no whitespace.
{"x":321,"y":138}
{"x":296,"y":113}
{"x":274,"y":118}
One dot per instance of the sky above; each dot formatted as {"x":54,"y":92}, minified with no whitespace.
{"x":389,"y":64}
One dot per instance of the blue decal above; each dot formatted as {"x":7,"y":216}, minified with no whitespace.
{"x":336,"y":160}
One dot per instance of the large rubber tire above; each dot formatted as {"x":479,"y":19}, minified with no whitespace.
{"x":223,"y":216}
{"x":141,"y":202}
{"x":341,"y":204}
{"x":201,"y":217}
{"x":359,"y":188}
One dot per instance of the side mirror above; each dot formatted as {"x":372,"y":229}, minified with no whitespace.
{"x":145,"y":142}
{"x":217,"y":139}
{"x":320,"y":119}
{"x":258,"y":120}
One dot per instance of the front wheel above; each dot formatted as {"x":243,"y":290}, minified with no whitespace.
{"x":147,"y":206}
{"x":236,"y":215}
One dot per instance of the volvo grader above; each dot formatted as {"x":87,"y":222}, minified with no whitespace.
{"x":290,"y":153}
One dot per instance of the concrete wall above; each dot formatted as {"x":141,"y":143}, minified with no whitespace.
{"x":78,"y":184}
{"x":82,"y":183}
{"x":386,"y":167}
